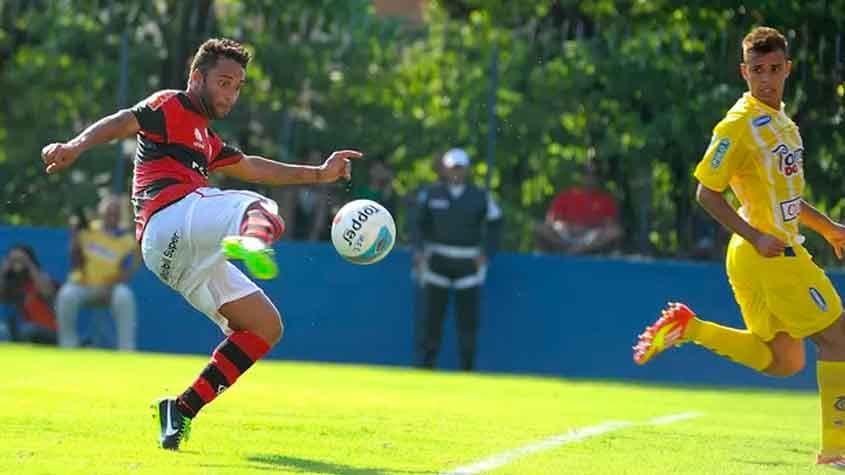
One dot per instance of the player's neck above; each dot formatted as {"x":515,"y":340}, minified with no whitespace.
{"x":199,"y":103}
{"x":776,"y":105}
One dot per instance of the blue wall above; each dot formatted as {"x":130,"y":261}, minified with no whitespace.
{"x":562,"y":316}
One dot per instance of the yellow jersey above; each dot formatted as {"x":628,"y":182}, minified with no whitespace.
{"x":758,"y":151}
{"x":104,"y":255}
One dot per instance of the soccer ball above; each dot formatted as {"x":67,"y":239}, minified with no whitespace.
{"x":363,"y":232}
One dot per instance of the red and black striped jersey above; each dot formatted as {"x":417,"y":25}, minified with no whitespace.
{"x":176,"y":150}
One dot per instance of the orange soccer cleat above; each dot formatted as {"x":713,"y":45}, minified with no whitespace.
{"x":667,"y":331}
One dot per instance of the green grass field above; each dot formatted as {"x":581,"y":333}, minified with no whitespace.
{"x":87,"y":412}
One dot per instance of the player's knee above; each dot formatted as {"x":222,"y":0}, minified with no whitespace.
{"x":67,"y":295}
{"x":793,"y":367}
{"x":274,"y":330}
{"x":786,"y":367}
{"x":830,"y":342}
{"x":122,"y":295}
{"x":281,"y":330}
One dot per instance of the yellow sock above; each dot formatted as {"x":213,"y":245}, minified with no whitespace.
{"x":831,"y":377}
{"x":740,"y":346}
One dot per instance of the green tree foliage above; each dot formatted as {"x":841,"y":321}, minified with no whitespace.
{"x":635,"y":85}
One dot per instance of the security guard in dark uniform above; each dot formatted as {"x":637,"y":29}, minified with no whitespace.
{"x":455,"y":231}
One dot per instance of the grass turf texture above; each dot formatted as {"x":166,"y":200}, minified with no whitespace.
{"x":88,"y":412}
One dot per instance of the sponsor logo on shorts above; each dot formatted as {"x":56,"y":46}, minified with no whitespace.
{"x":822,"y":304}
{"x":839,"y":405}
{"x":719,"y":154}
{"x":762,"y":120}
{"x":167,"y":257}
{"x":791,"y":209}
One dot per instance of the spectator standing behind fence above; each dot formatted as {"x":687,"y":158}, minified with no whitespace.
{"x":456,"y":231}
{"x":308,"y":208}
{"x":379,"y":187}
{"x":103,"y":258}
{"x":581,"y":219}
{"x":29,"y":292}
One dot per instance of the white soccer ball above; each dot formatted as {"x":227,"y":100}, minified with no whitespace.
{"x":363,"y":232}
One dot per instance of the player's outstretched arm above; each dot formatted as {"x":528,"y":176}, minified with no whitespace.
{"x":819,"y":222}
{"x":121,"y":124}
{"x":254,"y":169}
{"x":718,"y":207}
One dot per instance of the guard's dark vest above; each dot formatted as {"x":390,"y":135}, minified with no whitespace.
{"x":453,"y":221}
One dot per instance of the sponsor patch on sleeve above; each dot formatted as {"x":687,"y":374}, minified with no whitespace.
{"x":719,"y":154}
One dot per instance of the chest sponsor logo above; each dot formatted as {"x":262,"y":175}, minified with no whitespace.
{"x":762,"y":120}
{"x":201,"y":141}
{"x":719,"y":155}
{"x":101,"y":251}
{"x":790,"y":209}
{"x":438,"y":203}
{"x":789,"y":161}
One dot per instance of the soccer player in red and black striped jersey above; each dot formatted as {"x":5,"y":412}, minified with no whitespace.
{"x":187,"y":230}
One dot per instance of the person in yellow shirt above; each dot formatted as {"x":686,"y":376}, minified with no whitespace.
{"x":103,"y":258}
{"x":783,"y":296}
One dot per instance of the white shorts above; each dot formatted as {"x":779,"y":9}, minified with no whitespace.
{"x":181,"y":245}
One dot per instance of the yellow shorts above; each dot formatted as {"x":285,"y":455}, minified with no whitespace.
{"x":788,"y":293}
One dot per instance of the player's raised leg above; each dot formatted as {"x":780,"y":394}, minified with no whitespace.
{"x":678,"y":324}
{"x":259,"y":229}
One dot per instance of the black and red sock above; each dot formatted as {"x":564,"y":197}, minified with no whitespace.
{"x":262,"y":224}
{"x":230,"y":359}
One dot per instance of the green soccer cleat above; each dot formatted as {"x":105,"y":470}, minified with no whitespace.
{"x":257,"y":256}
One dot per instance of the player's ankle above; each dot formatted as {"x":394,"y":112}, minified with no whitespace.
{"x":184,"y":409}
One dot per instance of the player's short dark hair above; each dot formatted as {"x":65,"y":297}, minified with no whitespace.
{"x":764,"y":40}
{"x":213,"y":49}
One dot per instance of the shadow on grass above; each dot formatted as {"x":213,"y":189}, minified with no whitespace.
{"x":316,"y":466}
{"x":773,"y":463}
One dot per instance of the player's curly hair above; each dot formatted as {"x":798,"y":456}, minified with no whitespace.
{"x":764,"y":40}
{"x":215,"y":48}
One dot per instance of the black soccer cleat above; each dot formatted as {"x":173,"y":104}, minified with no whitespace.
{"x":175,"y":427}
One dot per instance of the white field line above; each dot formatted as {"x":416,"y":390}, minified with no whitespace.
{"x":575,"y":435}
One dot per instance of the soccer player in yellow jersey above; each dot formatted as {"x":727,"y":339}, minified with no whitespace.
{"x":784,"y":297}
{"x":103,"y":258}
